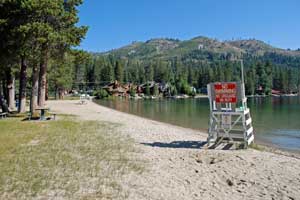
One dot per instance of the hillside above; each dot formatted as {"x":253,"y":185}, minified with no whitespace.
{"x":204,"y":48}
{"x":197,"y":62}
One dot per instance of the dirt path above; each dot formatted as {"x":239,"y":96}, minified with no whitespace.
{"x":177,"y":167}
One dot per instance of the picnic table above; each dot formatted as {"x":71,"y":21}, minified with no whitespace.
{"x":43,"y":111}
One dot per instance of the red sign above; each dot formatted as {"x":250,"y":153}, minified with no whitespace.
{"x":225,"y":92}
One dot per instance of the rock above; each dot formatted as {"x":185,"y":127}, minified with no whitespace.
{"x":212,"y":161}
{"x":229,"y":182}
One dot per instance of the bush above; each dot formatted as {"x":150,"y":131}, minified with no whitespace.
{"x":101,"y":94}
{"x":173,"y":91}
{"x":147,"y":90}
{"x":186,"y":89}
{"x":183,"y":87}
{"x":155,"y":90}
{"x":132,"y":92}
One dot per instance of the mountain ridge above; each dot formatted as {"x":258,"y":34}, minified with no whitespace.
{"x":166,"y":48}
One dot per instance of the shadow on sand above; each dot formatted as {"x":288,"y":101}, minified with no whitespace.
{"x":178,"y":144}
{"x":192,"y":145}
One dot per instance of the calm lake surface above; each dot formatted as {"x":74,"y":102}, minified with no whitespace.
{"x":276,"y":120}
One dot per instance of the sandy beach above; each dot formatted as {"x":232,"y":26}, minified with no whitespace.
{"x":178,"y":166}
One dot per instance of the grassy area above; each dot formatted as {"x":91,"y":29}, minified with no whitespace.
{"x":63,"y":159}
{"x":66,"y":98}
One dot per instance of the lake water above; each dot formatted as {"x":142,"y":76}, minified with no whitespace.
{"x":276,"y":120}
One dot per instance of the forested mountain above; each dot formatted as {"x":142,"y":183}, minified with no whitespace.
{"x":197,"y":62}
{"x":200,"y":48}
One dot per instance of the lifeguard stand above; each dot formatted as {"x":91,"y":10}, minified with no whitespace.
{"x":230,"y":118}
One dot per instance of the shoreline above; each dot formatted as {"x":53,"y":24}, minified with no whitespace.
{"x":264,"y":144}
{"x":177,"y":166}
{"x":205,"y":96}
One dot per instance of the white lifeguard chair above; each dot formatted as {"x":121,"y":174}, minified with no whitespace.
{"x":84,"y":98}
{"x":230,"y":118}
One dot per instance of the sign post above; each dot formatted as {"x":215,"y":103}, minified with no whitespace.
{"x":225,"y":92}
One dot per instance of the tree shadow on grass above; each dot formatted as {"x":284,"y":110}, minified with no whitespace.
{"x":36,"y":119}
{"x":178,"y":144}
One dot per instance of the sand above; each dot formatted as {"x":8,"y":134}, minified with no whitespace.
{"x":178,"y":166}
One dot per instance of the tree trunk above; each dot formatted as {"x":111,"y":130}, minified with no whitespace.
{"x":4,"y":90}
{"x":61,"y":93}
{"x":3,"y":105}
{"x":1,"y":100}
{"x":10,"y":90}
{"x":47,"y":90}
{"x":22,"y":86}
{"x":56,"y":92}
{"x":43,"y":80}
{"x":34,"y":89}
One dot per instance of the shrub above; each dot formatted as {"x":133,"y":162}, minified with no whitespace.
{"x":155,"y":90}
{"x":173,"y":91}
{"x":132,"y":92}
{"x":101,"y":94}
{"x":147,"y":90}
{"x":186,"y":89}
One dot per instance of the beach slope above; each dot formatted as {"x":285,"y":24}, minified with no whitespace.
{"x":178,"y":166}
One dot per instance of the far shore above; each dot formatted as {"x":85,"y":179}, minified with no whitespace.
{"x":179,"y":166}
{"x":204,"y":96}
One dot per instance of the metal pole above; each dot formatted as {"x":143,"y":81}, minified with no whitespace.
{"x":243,"y":83}
{"x":242,"y":69}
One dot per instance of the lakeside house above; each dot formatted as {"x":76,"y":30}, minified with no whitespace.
{"x":162,"y":87}
{"x":276,"y":92}
{"x":125,"y":90}
{"x":117,"y":89}
{"x":260,"y":91}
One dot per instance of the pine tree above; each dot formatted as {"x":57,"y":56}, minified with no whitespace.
{"x":292,"y":80}
{"x":119,"y":75}
{"x":268,"y":81}
{"x":147,"y":90}
{"x":284,"y":81}
{"x":61,"y":75}
{"x":55,"y":25}
{"x":107,"y":73}
{"x":155,"y":90}
{"x":142,"y":74}
{"x":228,"y":72}
{"x":150,"y":73}
{"x":250,"y":81}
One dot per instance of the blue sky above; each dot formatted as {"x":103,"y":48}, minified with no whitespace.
{"x":115,"y":23}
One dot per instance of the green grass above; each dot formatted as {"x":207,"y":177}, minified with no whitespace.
{"x":66,"y":98}
{"x":66,"y":159}
{"x":71,"y":98}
